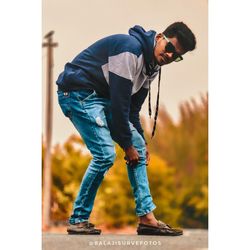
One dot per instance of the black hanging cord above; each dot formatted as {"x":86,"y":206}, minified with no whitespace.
{"x":149,"y":100}
{"x":157,"y":104}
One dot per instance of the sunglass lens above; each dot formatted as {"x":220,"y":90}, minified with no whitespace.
{"x":170,"y":47}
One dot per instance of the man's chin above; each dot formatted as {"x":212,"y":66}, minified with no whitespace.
{"x":161,"y":63}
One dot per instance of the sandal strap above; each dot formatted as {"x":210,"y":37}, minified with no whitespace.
{"x":162,"y":224}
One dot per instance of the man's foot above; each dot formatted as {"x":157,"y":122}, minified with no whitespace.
{"x":160,"y":229}
{"x":148,"y":219}
{"x":83,"y":228}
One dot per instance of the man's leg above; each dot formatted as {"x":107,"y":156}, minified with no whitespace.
{"x":139,"y":181}
{"x":148,"y":225}
{"x":87,"y":115}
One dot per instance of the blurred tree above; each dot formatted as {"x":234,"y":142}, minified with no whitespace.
{"x":184,"y":146}
{"x":68,"y":166}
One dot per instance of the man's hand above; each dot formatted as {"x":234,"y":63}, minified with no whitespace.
{"x":147,"y":155}
{"x":132,"y":156}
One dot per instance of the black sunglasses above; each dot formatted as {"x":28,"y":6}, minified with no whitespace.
{"x":171,"y":49}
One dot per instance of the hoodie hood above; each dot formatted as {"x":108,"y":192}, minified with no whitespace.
{"x":146,"y":38}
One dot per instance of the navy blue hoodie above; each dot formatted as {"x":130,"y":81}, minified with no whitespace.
{"x":118,"y":67}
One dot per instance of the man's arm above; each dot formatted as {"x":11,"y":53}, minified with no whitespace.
{"x":120,"y":95}
{"x":122,"y":68}
{"x":136,"y":102}
{"x":134,"y":116}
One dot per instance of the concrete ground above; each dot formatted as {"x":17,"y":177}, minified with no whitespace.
{"x":192,"y":239}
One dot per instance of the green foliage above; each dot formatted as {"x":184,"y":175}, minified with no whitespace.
{"x":178,"y":174}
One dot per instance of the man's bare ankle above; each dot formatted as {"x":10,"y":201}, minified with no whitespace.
{"x":149,"y":222}
{"x":148,"y":219}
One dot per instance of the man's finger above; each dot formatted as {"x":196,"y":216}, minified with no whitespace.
{"x":133,"y":163}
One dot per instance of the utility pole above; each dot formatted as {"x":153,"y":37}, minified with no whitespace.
{"x":48,"y":131}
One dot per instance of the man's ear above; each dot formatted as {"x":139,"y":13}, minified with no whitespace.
{"x":158,"y":36}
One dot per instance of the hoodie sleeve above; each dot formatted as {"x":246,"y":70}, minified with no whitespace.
{"x":136,"y":102}
{"x":122,"y":68}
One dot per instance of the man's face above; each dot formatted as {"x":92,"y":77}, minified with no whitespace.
{"x":163,"y":57}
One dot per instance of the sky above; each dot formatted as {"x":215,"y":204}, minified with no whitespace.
{"x":79,"y":23}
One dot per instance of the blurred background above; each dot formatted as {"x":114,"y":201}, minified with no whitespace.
{"x":178,"y":170}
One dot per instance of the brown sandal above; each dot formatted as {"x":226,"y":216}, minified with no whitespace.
{"x":161,"y":229}
{"x":83,"y":228}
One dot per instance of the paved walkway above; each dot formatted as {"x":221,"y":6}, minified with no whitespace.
{"x":192,"y":239}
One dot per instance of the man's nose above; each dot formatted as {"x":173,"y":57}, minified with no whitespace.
{"x":169,"y":54}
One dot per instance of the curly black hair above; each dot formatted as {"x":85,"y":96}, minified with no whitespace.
{"x":184,"y":35}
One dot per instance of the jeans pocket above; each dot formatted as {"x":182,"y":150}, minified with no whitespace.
{"x":83,"y":95}
{"x":66,"y":110}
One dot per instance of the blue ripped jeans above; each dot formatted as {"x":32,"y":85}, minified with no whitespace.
{"x":91,"y":115}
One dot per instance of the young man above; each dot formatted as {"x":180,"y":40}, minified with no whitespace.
{"x":101,"y":91}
